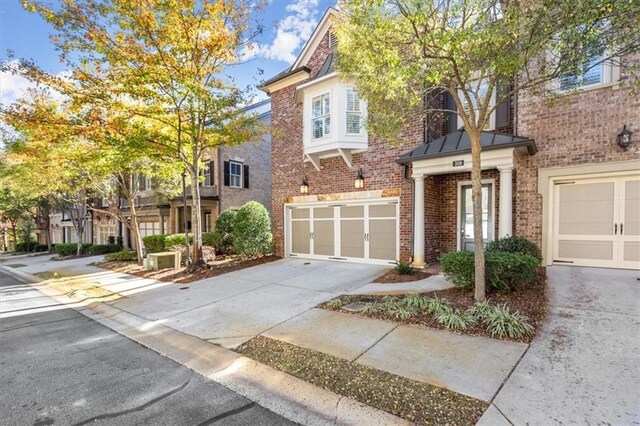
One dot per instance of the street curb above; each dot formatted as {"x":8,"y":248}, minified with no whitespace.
{"x":279,"y":392}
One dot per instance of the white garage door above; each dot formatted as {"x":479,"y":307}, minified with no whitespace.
{"x":361,"y":232}
{"x":596,"y":222}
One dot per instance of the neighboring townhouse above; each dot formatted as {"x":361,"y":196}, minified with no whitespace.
{"x":554,"y":174}
{"x":232,"y":176}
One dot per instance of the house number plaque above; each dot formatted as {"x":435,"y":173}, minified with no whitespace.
{"x":458,"y":163}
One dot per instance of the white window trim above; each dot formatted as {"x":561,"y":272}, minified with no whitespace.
{"x":322,"y":117}
{"x":610,"y":78}
{"x":206,"y":174}
{"x":231,"y":175}
{"x":358,"y":113}
{"x":492,"y":117}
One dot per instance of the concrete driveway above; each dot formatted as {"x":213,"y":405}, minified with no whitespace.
{"x":232,"y":308}
{"x":584,"y":365}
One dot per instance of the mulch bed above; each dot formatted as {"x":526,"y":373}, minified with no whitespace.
{"x":415,"y":401}
{"x":530,"y":301}
{"x":393,"y":276}
{"x":180,"y":275}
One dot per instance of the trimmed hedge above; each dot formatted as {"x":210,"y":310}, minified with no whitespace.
{"x":504,"y":271}
{"x":155,"y":243}
{"x":103,"y":249}
{"x":39,"y":248}
{"x":252,"y":230}
{"x":121,"y":256}
{"x":22,"y":247}
{"x":223,"y":236}
{"x":176,"y":240}
{"x":515,"y":245}
{"x":69,"y":249}
{"x":209,"y":239}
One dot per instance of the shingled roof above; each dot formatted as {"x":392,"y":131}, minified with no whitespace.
{"x":458,"y":142}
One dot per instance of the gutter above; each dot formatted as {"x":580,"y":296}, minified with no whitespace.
{"x":413,"y":201}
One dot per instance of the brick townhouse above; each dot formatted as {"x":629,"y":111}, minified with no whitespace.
{"x":557,"y":175}
{"x":232,"y":176}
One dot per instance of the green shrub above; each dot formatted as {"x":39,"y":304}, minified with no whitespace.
{"x":223,"y":236}
{"x":402,"y":312}
{"x":22,"y":247}
{"x":404,"y":268}
{"x":40,"y":248}
{"x":70,"y":249}
{"x":481,"y":311}
{"x":176,"y":240}
{"x":504,"y":323}
{"x":208,"y":239}
{"x":103,"y":249}
{"x":503,"y":271}
{"x":371,"y":308}
{"x":155,"y":243}
{"x":252,"y":230}
{"x":121,"y":256}
{"x":515,"y":245}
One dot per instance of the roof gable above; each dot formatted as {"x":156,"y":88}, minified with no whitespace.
{"x":316,"y":37}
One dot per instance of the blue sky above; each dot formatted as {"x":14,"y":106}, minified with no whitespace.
{"x":287,"y":23}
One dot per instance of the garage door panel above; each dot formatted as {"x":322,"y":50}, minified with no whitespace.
{"x":348,"y":212}
{"x":632,"y":252}
{"x":586,"y":209}
{"x":300,"y":241}
{"x":323,"y":237}
{"x":586,"y":249}
{"x":382,"y":210}
{"x":632,"y":207}
{"x":352,"y":238}
{"x":382,"y":239}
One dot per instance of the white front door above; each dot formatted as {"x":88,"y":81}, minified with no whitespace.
{"x":351,"y":231}
{"x":596,"y":222}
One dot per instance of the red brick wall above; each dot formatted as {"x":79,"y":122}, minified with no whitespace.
{"x":580,"y":130}
{"x":378,"y":163}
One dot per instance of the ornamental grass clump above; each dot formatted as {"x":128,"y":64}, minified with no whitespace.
{"x":402,"y":312}
{"x":415,"y":301}
{"x":453,"y":319}
{"x":504,"y":323}
{"x":481,"y":311}
{"x":436,"y":305}
{"x":371,"y":308}
{"x":335,"y":303}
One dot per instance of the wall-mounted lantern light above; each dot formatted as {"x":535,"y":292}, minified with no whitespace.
{"x":359,"y":182}
{"x":624,"y":138}
{"x":304,"y":188}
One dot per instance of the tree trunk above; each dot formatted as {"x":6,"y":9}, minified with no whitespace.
{"x":196,"y":221}
{"x":134,"y":228}
{"x":476,"y":195}
{"x":15,"y":235}
{"x":47,"y":232}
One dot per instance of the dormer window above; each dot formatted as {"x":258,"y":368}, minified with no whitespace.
{"x":321,"y":116}
{"x":354,"y":113}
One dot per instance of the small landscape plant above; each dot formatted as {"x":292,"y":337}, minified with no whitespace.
{"x":404,"y":268}
{"x":176,"y":240}
{"x":435,"y":305}
{"x":504,"y":323}
{"x":371,"y":308}
{"x":69,"y":249}
{"x":515,"y":244}
{"x":453,"y":319}
{"x":335,"y":303}
{"x":481,"y":311}
{"x":121,"y":256}
{"x":415,"y":301}
{"x":402,"y":312}
{"x":223,"y":236}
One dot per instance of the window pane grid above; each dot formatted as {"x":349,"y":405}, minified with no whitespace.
{"x":235,"y":174}
{"x":354,"y":112}
{"x":321,"y":110}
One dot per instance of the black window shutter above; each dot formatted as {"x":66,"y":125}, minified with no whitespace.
{"x":451,"y":124}
{"x":245,"y":173}
{"x":211,"y":173}
{"x":503,"y":110}
{"x":227,"y":180}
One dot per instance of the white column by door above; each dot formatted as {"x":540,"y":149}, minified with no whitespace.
{"x":418,"y":222}
{"x":505,"y":212}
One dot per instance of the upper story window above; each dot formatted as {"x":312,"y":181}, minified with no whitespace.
{"x":235,"y":174}
{"x":592,"y":74}
{"x":482,"y":89}
{"x":321,"y":115}
{"x":354,"y":113}
{"x":207,"y":173}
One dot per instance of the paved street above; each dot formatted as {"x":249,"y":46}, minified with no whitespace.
{"x":57,"y":366}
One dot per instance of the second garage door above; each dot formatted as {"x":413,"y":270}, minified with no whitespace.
{"x":365,"y":232}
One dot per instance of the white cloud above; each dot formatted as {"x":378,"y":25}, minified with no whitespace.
{"x":291,"y":33}
{"x":14,"y":87}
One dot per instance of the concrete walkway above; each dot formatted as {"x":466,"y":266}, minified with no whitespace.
{"x":584,"y":365}
{"x":474,"y":366}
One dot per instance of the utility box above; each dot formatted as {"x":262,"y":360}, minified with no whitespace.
{"x":169,"y":259}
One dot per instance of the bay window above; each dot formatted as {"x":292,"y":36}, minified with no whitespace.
{"x":354,"y":113}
